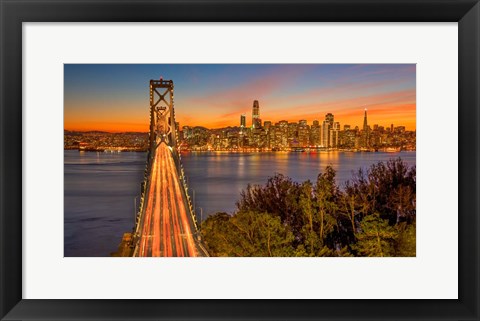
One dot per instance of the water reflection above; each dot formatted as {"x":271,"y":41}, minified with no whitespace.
{"x":218,"y":183}
{"x":100,"y":188}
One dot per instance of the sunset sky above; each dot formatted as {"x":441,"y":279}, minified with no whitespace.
{"x":115,"y":97}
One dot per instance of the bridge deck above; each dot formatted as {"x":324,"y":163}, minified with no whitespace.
{"x":166,"y":228}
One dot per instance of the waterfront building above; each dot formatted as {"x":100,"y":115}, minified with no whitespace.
{"x":333,"y":135}
{"x":292,"y":135}
{"x":315,"y":133}
{"x":283,"y":133}
{"x":326,"y":126}
{"x":324,"y":134}
{"x":303,"y":133}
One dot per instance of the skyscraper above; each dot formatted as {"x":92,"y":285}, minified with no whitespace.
{"x":243,"y":121}
{"x":329,"y":119}
{"x":326,"y":126}
{"x":256,"y":115}
{"x":365,"y":125}
{"x":366,"y":134}
{"x":303,"y":133}
{"x":315,"y":133}
{"x":334,"y":131}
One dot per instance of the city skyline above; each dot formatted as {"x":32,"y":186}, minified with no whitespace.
{"x":114,"y":98}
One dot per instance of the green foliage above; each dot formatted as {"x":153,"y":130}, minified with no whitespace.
{"x":215,"y":230}
{"x":376,"y":238}
{"x":326,"y":194}
{"x":285,"y":218}
{"x":387,"y":188}
{"x":310,"y":220}
{"x":279,"y":197}
{"x":406,"y":242}
{"x":247,"y":234}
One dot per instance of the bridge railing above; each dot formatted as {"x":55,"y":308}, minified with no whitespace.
{"x":143,"y":191}
{"x":181,"y":174}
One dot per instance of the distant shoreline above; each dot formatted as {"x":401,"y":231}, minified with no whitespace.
{"x":124,"y":150}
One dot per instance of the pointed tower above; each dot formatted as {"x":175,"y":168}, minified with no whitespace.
{"x":366,"y":134}
{"x":256,"y":123}
{"x":365,"y":125}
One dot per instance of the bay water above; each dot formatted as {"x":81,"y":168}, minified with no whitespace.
{"x":101,"y":190}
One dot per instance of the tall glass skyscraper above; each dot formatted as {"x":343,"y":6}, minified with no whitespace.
{"x":256,"y":122}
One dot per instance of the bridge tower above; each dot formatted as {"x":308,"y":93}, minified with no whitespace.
{"x":162,"y":115}
{"x":166,"y":224}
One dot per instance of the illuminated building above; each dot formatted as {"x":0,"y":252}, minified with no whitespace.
{"x":366,"y":131}
{"x":256,"y":121}
{"x":326,"y":126}
{"x":303,"y":133}
{"x":315,"y":133}
{"x":267,"y":124}
{"x":365,"y":125}
{"x":333,"y":137}
{"x":243,"y":121}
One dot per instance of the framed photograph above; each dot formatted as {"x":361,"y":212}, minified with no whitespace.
{"x":239,"y":160}
{"x":250,"y":136}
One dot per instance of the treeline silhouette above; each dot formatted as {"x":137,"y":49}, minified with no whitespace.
{"x":374,"y":214}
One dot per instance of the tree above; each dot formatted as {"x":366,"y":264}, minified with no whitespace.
{"x":215,"y":230}
{"x":311,"y":240}
{"x":286,"y":218}
{"x":279,"y":197}
{"x":348,"y":204}
{"x":387,"y":188}
{"x":377,"y":237}
{"x":406,"y":242}
{"x":247,"y":234}
{"x":326,"y":194}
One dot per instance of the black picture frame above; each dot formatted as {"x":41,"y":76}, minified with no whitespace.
{"x":14,"y":12}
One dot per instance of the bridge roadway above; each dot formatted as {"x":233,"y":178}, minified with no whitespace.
{"x":166,"y":229}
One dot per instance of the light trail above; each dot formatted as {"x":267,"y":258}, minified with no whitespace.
{"x":157,"y":215}
{"x":146,"y":222}
{"x":176,"y":227}
{"x":183,"y":213}
{"x":166,"y":229}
